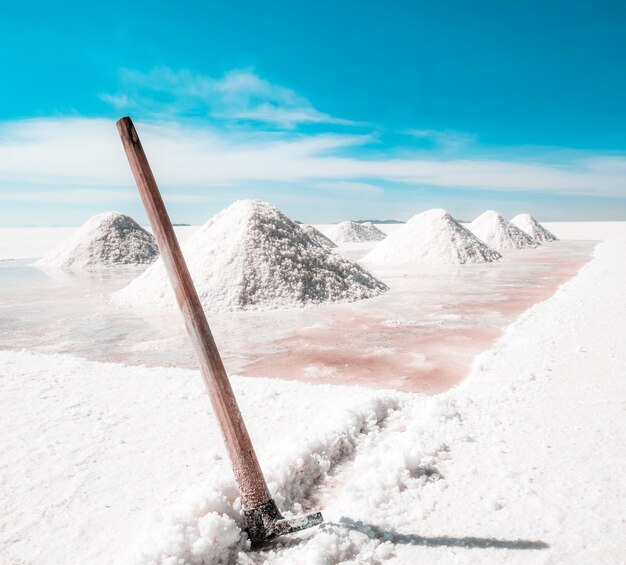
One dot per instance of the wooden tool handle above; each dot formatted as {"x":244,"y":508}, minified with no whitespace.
{"x":252,"y":485}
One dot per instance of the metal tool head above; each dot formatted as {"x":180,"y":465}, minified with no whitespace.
{"x":265,"y":522}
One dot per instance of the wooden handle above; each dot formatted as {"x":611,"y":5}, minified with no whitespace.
{"x":252,"y":485}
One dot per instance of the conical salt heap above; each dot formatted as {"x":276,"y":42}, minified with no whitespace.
{"x":533,"y":228}
{"x":253,"y":257}
{"x":105,"y":241}
{"x":498,"y":233}
{"x":433,"y":237}
{"x":353,"y":232}
{"x":317,"y":236}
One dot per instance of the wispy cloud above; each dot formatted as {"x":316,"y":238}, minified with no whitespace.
{"x":444,"y":139}
{"x":87,"y":153}
{"x":91,"y":196}
{"x":238,"y":95}
{"x":346,"y":187}
{"x":118,"y":101}
{"x":186,"y":198}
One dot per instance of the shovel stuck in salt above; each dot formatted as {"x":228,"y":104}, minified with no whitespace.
{"x":262,"y":518}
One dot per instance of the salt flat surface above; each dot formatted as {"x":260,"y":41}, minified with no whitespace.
{"x":24,"y":243}
{"x":422,"y":335}
{"x":521,"y":463}
{"x":93,"y":454}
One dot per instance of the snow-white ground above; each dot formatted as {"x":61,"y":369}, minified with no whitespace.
{"x":521,"y":463}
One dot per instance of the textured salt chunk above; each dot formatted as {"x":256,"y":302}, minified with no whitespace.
{"x":105,"y":241}
{"x":533,"y":228}
{"x":498,"y":233}
{"x":353,"y":232}
{"x":253,"y":257}
{"x":317,"y":236}
{"x":433,"y":237}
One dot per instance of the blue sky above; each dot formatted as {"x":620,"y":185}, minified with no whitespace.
{"x":331,"y":110}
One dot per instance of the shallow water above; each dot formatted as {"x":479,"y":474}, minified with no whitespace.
{"x":420,"y":336}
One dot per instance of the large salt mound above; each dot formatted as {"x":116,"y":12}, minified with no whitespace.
{"x":253,"y":257}
{"x":353,"y":232}
{"x":105,"y":241}
{"x":499,"y":233}
{"x":432,"y":238}
{"x":533,"y":228}
{"x":317,"y":236}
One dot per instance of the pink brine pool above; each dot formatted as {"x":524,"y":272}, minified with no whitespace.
{"x":424,"y":334}
{"x":420,"y":336}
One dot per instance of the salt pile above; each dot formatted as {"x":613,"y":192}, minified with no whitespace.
{"x":433,"y":237}
{"x":353,"y":232}
{"x":105,"y":241}
{"x":251,"y":256}
{"x":317,"y":236}
{"x":499,"y":233}
{"x":533,"y":228}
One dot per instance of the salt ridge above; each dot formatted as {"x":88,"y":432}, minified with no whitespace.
{"x":251,"y":256}
{"x":433,"y":237}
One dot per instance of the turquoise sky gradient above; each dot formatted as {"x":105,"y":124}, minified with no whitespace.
{"x":331,"y":110}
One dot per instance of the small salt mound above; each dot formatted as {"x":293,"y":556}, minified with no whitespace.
{"x":432,"y":238}
{"x":105,"y":241}
{"x":253,"y":257}
{"x":533,"y":228}
{"x":499,"y":233}
{"x":353,"y":232}
{"x":317,"y":236}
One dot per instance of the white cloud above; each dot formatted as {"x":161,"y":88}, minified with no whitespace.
{"x":284,"y":117}
{"x":346,"y":187}
{"x":445,"y":139}
{"x":85,"y":196}
{"x":91,"y":196}
{"x":87,"y":152}
{"x":118,"y":101}
{"x":237,"y":95}
{"x":186,"y":198}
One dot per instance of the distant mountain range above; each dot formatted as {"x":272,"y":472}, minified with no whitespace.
{"x":379,"y":221}
{"x":363,"y":221}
